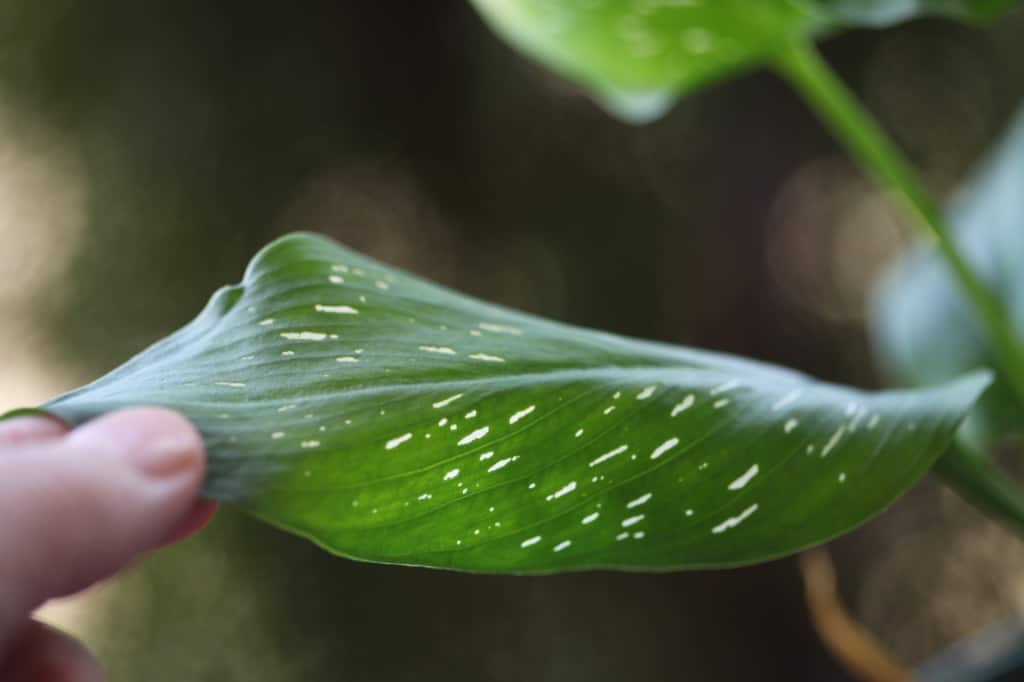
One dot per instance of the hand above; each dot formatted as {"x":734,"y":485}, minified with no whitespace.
{"x":75,"y":507}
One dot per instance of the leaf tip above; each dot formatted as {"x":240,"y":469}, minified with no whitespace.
{"x":302,"y":240}
{"x":971,"y":386}
{"x":636,"y":107}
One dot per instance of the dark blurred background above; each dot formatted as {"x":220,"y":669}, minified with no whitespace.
{"x":147,"y":150}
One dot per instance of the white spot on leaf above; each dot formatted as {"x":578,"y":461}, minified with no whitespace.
{"x":725,"y":388}
{"x":646,"y":393}
{"x":833,"y":441}
{"x":643,"y":499}
{"x":743,"y":480}
{"x":440,"y":350}
{"x":564,"y":490}
{"x":608,"y":455}
{"x":500,"y":464}
{"x":447,"y":401}
{"x":664,"y":447}
{"x":683,"y":406}
{"x":475,"y":435}
{"x":336,"y":309}
{"x":633,"y":520}
{"x":303,"y":336}
{"x":734,"y":521}
{"x":395,"y":442}
{"x":787,"y":400}
{"x":500,"y":329}
{"x":521,"y":413}
{"x":484,"y":357}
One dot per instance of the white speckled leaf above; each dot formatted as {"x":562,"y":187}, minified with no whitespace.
{"x":392,"y":420}
{"x":638,"y":56}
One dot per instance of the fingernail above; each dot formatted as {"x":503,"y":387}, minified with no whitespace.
{"x":159,"y":443}
{"x":165,"y":456}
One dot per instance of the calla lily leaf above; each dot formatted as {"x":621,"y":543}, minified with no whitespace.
{"x":392,"y":420}
{"x":642,"y":51}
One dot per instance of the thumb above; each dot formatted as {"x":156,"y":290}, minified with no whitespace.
{"x":75,"y":509}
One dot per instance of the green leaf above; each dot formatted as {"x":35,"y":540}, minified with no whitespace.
{"x":632,"y":53}
{"x":887,"y":12}
{"x":392,"y":420}
{"x":637,"y":50}
{"x":924,"y":330}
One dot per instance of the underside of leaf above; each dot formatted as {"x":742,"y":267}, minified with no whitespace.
{"x":390,"y":419}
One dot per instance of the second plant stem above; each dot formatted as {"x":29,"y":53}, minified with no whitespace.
{"x":864,"y":139}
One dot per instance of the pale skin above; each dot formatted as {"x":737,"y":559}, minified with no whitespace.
{"x":77,"y":506}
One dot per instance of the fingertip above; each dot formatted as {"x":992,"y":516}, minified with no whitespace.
{"x":25,"y":430}
{"x":195,"y":521}
{"x":81,"y":508}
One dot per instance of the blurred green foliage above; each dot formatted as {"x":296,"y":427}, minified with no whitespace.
{"x":925,"y":330}
{"x":639,"y":56}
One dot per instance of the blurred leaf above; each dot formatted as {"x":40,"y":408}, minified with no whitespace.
{"x":888,"y":12}
{"x":392,"y":420}
{"x":637,"y":56}
{"x":643,"y":50}
{"x":923,"y":327}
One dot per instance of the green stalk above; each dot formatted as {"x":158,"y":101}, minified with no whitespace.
{"x":976,"y":479}
{"x":857,"y":130}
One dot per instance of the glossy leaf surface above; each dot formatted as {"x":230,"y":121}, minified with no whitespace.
{"x":924,"y":329}
{"x":637,"y":56}
{"x":392,"y":420}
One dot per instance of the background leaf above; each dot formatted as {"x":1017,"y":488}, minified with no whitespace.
{"x":923,"y":328}
{"x":637,"y":56}
{"x":392,"y":420}
{"x":888,"y":12}
{"x":631,"y":50}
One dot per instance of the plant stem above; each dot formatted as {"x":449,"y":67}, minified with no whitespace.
{"x":864,"y":139}
{"x":978,"y":481}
